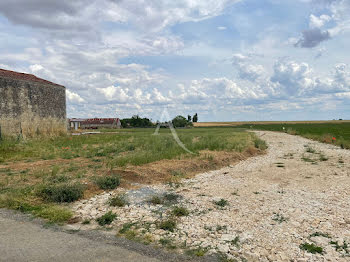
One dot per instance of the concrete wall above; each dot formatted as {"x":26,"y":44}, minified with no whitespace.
{"x":29,"y":108}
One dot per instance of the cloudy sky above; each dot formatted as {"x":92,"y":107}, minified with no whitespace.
{"x":227,"y":60}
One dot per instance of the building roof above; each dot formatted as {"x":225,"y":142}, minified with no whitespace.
{"x":25,"y":77}
{"x":94,"y":121}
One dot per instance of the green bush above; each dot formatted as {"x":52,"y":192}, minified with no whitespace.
{"x":118,"y":201}
{"x":106,"y":219}
{"x":168,"y":225}
{"x":61,"y":192}
{"x":108,"y":182}
{"x":180,"y":211}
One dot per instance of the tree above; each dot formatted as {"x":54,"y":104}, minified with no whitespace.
{"x":195,"y":118}
{"x":189,"y":118}
{"x":180,"y":121}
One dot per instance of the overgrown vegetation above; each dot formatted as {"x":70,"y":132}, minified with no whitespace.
{"x":61,"y":192}
{"x":95,"y":160}
{"x":221,"y":203}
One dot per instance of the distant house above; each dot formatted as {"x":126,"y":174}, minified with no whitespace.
{"x":94,"y":123}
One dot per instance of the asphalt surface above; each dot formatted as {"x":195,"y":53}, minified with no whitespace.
{"x":23,"y":238}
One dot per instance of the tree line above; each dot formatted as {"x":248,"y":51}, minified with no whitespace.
{"x":178,"y":121}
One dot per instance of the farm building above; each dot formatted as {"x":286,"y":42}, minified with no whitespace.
{"x":94,"y":123}
{"x":31,"y":106}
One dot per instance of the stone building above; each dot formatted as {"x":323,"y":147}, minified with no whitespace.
{"x":30,"y":106}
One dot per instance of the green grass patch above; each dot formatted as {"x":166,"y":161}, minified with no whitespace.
{"x":311,"y":248}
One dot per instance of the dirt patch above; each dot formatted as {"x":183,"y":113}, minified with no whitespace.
{"x":172,"y":171}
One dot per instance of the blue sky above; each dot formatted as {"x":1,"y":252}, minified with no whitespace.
{"x":226,"y":60}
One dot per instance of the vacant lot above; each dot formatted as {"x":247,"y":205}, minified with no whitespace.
{"x":291,"y":204}
{"x":40,"y":176}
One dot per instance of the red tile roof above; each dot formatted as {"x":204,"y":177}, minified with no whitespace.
{"x":23,"y":76}
{"x":94,"y":121}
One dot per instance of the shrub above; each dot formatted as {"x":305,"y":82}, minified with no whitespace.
{"x":180,"y":211}
{"x":168,"y":225}
{"x":106,"y":219}
{"x":108,"y":182}
{"x":118,"y":201}
{"x":61,"y":192}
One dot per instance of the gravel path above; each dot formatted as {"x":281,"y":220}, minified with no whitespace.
{"x":297,"y":193}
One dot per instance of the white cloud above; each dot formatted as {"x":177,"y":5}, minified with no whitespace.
{"x":74,"y":97}
{"x":318,"y":22}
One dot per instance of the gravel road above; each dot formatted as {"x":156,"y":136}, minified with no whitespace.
{"x":297,"y":193}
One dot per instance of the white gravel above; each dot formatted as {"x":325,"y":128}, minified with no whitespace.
{"x":275,"y":202}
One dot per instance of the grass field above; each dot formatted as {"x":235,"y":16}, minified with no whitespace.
{"x":324,"y":132}
{"x":40,"y":175}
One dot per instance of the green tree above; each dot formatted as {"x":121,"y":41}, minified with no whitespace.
{"x":195,"y":118}
{"x":180,"y":121}
{"x":189,"y":118}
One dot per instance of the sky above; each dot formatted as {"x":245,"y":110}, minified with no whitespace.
{"x":227,"y":60}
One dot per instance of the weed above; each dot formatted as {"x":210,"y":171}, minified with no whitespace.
{"x":235,"y":242}
{"x":311,"y":248}
{"x":106,"y":219}
{"x":340,"y":248}
{"x":320,"y":234}
{"x":220,"y":228}
{"x":180,"y":211}
{"x":86,"y":222}
{"x":279,"y":218}
{"x":221,"y":203}
{"x":199,"y":252}
{"x":118,"y":201}
{"x":235,"y":193}
{"x":323,"y":157}
{"x":341,"y":161}
{"x":108,"y":182}
{"x":168,"y":225}
{"x":310,"y":150}
{"x":167,"y":242}
{"x":61,"y":192}
{"x":171,"y":197}
{"x":156,"y":200}
{"x":256,"y":192}
{"x":126,"y":227}
{"x":260,"y":144}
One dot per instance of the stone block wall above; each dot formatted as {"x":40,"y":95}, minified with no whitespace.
{"x":30,"y":108}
